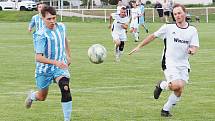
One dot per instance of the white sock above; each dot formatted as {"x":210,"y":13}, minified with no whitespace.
{"x":67,"y":110}
{"x":163,"y":85}
{"x":33,"y":96}
{"x":171,"y":102}
{"x":136,"y":35}
{"x":120,"y":53}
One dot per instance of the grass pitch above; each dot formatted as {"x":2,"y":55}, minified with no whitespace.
{"x":109,"y":91}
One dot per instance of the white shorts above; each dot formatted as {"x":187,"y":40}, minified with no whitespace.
{"x":119,"y":36}
{"x":176,"y":73}
{"x":134,"y":24}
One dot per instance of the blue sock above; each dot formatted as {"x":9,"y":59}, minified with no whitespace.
{"x":67,"y":110}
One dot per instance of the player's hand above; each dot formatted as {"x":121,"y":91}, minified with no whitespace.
{"x":68,"y":60}
{"x":61,"y":64}
{"x":134,"y":50}
{"x":192,"y":50}
{"x":29,"y":29}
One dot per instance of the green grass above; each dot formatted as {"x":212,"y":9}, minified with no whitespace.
{"x":109,"y":91}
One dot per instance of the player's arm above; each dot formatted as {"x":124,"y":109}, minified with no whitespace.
{"x":42,"y":59}
{"x":31,"y":24}
{"x":146,"y":41}
{"x":68,"y":52}
{"x":40,"y":42}
{"x":110,"y":20}
{"x":124,"y":26}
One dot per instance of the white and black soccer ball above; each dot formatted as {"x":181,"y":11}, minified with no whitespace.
{"x":97,"y":53}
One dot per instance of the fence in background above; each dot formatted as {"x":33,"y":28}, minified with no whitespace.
{"x":206,"y":14}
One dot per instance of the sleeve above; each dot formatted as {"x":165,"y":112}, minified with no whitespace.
{"x":195,"y":39}
{"x":40,"y":43}
{"x":32,"y":22}
{"x":161,"y":33}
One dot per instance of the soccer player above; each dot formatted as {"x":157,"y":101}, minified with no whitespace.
{"x":119,"y":6}
{"x":180,"y":41}
{"x":52,"y":55}
{"x":36,"y":20}
{"x":119,"y":27}
{"x":141,"y":18}
{"x":167,"y":10}
{"x":134,"y":25}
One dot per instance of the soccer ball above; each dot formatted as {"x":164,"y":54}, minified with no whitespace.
{"x":97,"y":53}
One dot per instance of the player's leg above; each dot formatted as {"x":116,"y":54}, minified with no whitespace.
{"x":166,"y":15}
{"x":116,"y":41}
{"x":42,"y":83}
{"x":176,"y":87}
{"x":123,"y":39}
{"x":62,"y":78}
{"x":142,"y":23}
{"x":176,"y":80}
{"x":136,"y":31}
{"x":133,"y":29}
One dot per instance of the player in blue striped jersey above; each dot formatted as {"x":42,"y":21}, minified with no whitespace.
{"x":36,"y":20}
{"x":52,"y":61}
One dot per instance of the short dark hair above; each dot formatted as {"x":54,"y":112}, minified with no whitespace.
{"x":39,"y":3}
{"x":123,"y":8}
{"x":48,"y":9}
{"x":180,"y":5}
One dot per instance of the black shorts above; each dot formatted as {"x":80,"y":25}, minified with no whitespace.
{"x":160,"y":13}
{"x":167,"y":13}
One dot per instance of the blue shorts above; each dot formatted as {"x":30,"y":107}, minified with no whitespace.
{"x":43,"y":80}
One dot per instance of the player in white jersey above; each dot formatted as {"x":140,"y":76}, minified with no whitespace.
{"x":36,"y":20}
{"x":134,"y":25}
{"x":180,"y":41}
{"x":52,"y":61}
{"x":119,"y":6}
{"x":118,"y":27}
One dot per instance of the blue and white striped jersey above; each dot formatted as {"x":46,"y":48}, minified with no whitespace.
{"x":50,"y":43}
{"x":36,"y":22}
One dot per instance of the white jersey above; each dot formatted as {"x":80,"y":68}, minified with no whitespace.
{"x":176,"y":43}
{"x":135,"y":12}
{"x":118,"y":21}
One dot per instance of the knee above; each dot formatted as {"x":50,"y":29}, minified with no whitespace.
{"x":41,"y":97}
{"x":176,"y":86}
{"x":117,"y":42}
{"x":65,"y":90}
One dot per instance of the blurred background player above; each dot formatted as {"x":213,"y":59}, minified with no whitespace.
{"x":180,"y":41}
{"x":159,"y":8}
{"x":52,"y":61}
{"x":166,"y":10}
{"x":171,"y":4}
{"x":141,"y":18}
{"x":119,"y":6}
{"x":36,"y":20}
{"x":118,"y":28}
{"x":134,"y":25}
